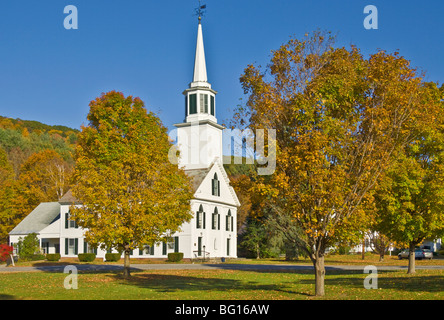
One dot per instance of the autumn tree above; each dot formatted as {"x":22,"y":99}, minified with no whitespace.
{"x":379,"y":243}
{"x":46,"y":175}
{"x":34,"y":167}
{"x":13,"y":205}
{"x":6,"y":170}
{"x":410,"y":199}
{"x":339,"y":119}
{"x":131,"y":194}
{"x":5,"y":252}
{"x":240,"y":175}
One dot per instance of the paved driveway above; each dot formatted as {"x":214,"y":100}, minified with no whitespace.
{"x":226,"y":266}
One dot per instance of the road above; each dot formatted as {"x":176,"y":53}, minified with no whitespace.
{"x":219,"y":266}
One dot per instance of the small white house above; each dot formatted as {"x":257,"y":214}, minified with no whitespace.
{"x":211,"y":233}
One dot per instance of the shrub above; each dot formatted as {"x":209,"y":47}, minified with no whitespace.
{"x":29,"y":247}
{"x":5,"y":251}
{"x":112,"y":257}
{"x":86,"y":257}
{"x":53,"y":256}
{"x":344,"y":249}
{"x":33,"y":257}
{"x":175,"y":256}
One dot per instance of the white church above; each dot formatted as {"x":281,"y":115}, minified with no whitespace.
{"x":212,"y":231}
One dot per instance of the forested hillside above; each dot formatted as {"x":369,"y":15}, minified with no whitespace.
{"x":36,"y":162}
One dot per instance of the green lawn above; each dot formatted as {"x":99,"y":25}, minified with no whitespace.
{"x":221,"y":285}
{"x":350,"y":259}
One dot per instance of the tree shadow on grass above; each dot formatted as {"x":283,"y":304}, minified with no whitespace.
{"x":402,"y":282}
{"x":7,"y":297}
{"x":84,"y":268}
{"x":167,"y":283}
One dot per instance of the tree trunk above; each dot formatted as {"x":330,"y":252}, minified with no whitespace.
{"x":411,"y":268}
{"x":363,"y":249}
{"x":319,"y":266}
{"x":126,"y":262}
{"x":381,"y":247}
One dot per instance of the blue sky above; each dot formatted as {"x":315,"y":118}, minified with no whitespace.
{"x":146,"y":48}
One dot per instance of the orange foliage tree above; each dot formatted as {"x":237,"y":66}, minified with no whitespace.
{"x":46,"y":175}
{"x":131,"y":194}
{"x":339,"y":119}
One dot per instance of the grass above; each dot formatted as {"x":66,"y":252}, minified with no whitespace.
{"x":350,"y":259}
{"x":221,"y":285}
{"x":69,"y":261}
{"x":228,"y":284}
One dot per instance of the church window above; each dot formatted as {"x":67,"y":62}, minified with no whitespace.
{"x":193,"y":103}
{"x":200,"y":218}
{"x":71,"y":246}
{"x":215,"y":186}
{"x":176,"y":244}
{"x":203,"y":103}
{"x":212,"y":105}
{"x":229,"y":222}
{"x":88,"y":248}
{"x":215,"y":224}
{"x":69,"y":222}
{"x":146,"y":249}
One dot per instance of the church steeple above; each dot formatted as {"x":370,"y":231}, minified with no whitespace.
{"x":200,"y":68}
{"x":200,"y":99}
{"x":199,"y":138}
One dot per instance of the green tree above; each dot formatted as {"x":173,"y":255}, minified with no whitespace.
{"x":339,"y":120}
{"x":410,"y":200}
{"x":131,"y":194}
{"x":254,"y":238}
{"x":28,"y":246}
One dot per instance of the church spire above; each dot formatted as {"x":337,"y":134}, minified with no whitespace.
{"x":200,"y":99}
{"x":199,"y":137}
{"x":200,"y":69}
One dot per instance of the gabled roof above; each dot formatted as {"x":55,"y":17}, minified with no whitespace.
{"x":68,"y":198}
{"x":197,"y":176}
{"x":41,"y":217}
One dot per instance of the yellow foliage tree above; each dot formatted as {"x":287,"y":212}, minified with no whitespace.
{"x":339,"y":121}
{"x":131,"y":194}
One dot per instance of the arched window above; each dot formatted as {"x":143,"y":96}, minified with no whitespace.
{"x":229,"y":221}
{"x":215,"y":186}
{"x":200,"y":218}
{"x":215,"y":221}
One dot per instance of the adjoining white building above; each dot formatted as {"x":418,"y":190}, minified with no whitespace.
{"x":212,"y":231}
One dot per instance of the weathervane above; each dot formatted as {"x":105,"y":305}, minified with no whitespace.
{"x":200,"y":10}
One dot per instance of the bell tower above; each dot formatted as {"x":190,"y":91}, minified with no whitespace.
{"x":199,"y":138}
{"x":200,"y":99}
